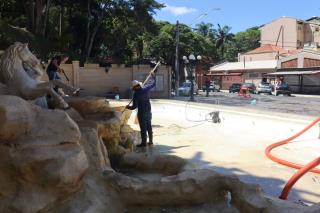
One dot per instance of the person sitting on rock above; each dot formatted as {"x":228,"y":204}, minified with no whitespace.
{"x":54,"y":69}
{"x":141,"y":100}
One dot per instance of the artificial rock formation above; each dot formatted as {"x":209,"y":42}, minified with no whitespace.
{"x":42,"y":160}
{"x":76,"y":161}
{"x":111,"y":122}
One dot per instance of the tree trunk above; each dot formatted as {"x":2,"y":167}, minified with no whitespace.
{"x":44,"y":29}
{"x":86,"y":46}
{"x":222,"y":51}
{"x":61,"y":18}
{"x":93,"y":36}
{"x":140,"y":48}
{"x":29,"y":8}
{"x":34,"y":11}
{"x":38,"y":15}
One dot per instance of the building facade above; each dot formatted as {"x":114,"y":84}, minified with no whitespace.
{"x":242,"y":72}
{"x":266,"y":52}
{"x":292,"y":33}
{"x":286,"y":44}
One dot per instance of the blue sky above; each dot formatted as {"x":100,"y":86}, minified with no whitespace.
{"x":238,"y":14}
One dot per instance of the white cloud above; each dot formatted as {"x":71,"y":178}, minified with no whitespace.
{"x":178,"y":11}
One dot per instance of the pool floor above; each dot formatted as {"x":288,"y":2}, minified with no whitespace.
{"x":237,"y":144}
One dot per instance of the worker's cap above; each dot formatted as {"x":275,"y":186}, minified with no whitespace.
{"x":136,"y":83}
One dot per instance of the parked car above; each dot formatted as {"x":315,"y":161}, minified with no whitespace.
{"x":249,"y":86}
{"x":283,"y":89}
{"x":264,"y":87}
{"x":185,"y":89}
{"x":213,"y":87}
{"x":234,"y":88}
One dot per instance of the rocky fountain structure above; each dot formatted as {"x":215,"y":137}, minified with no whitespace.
{"x":81,"y":160}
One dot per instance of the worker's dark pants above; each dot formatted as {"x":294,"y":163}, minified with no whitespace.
{"x":145,"y":126}
{"x":207,"y":91}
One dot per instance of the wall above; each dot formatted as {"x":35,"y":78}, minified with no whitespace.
{"x":255,"y":76}
{"x":310,"y":84}
{"x":270,"y":32}
{"x":227,"y":81}
{"x":312,"y":32}
{"x":290,"y":64}
{"x":258,"y":57}
{"x":99,"y":81}
{"x":300,"y":34}
{"x":309,"y":62}
{"x":308,"y":33}
{"x":305,"y":58}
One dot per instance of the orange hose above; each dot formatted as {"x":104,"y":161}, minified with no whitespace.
{"x":297,"y":176}
{"x":302,"y":168}
{"x":286,"y":141}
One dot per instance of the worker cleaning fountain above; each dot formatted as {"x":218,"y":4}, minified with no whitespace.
{"x":74,"y":160}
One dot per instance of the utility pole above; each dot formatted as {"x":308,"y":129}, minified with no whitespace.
{"x":177,"y":60}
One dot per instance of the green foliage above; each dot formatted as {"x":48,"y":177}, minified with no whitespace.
{"x":242,"y":42}
{"x":116,"y":27}
{"x":223,"y":37}
{"x":162,"y":44}
{"x":123,"y":30}
{"x":40,"y":46}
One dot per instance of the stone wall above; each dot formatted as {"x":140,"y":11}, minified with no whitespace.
{"x":99,"y":81}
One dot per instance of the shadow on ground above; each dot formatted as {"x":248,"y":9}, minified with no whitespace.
{"x":270,"y":185}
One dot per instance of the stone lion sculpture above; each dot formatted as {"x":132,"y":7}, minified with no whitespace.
{"x":21,"y":72}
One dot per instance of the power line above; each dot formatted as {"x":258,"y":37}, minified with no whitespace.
{"x":203,"y":15}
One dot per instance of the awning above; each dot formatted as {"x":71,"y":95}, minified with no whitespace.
{"x":295,"y":73}
{"x":225,"y":74}
{"x":245,"y":66}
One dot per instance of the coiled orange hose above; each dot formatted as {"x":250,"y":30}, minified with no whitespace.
{"x":302,"y":168}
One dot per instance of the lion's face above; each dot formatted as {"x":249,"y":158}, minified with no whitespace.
{"x":30,"y":63}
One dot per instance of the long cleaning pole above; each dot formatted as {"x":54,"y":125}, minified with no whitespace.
{"x":147,"y":79}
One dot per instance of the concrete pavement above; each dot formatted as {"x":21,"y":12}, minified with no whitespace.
{"x":236,"y":146}
{"x":308,"y":106}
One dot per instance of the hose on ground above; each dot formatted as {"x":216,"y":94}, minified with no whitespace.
{"x":302,"y":169}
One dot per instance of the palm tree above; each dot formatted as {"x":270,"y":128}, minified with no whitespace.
{"x":223,"y":36}
{"x":204,"y":29}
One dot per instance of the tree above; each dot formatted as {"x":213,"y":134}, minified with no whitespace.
{"x":137,"y":14}
{"x":242,"y":42}
{"x":35,"y":11}
{"x":205,"y":29}
{"x":162,"y":43}
{"x":90,"y":30}
{"x":143,"y":12}
{"x":223,"y":36}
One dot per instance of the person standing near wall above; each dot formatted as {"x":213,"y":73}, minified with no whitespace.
{"x":207,"y":83}
{"x":54,"y":69}
{"x":141,"y":100}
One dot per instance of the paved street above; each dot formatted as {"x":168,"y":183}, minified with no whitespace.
{"x":302,"y":105}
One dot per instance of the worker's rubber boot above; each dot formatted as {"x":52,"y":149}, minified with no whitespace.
{"x":141,"y":145}
{"x":150,"y":139}
{"x":143,"y":141}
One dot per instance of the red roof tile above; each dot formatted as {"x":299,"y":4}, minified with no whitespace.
{"x":269,"y":48}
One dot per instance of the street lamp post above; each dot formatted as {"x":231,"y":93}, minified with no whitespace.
{"x":190,"y":64}
{"x":177,"y":78}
